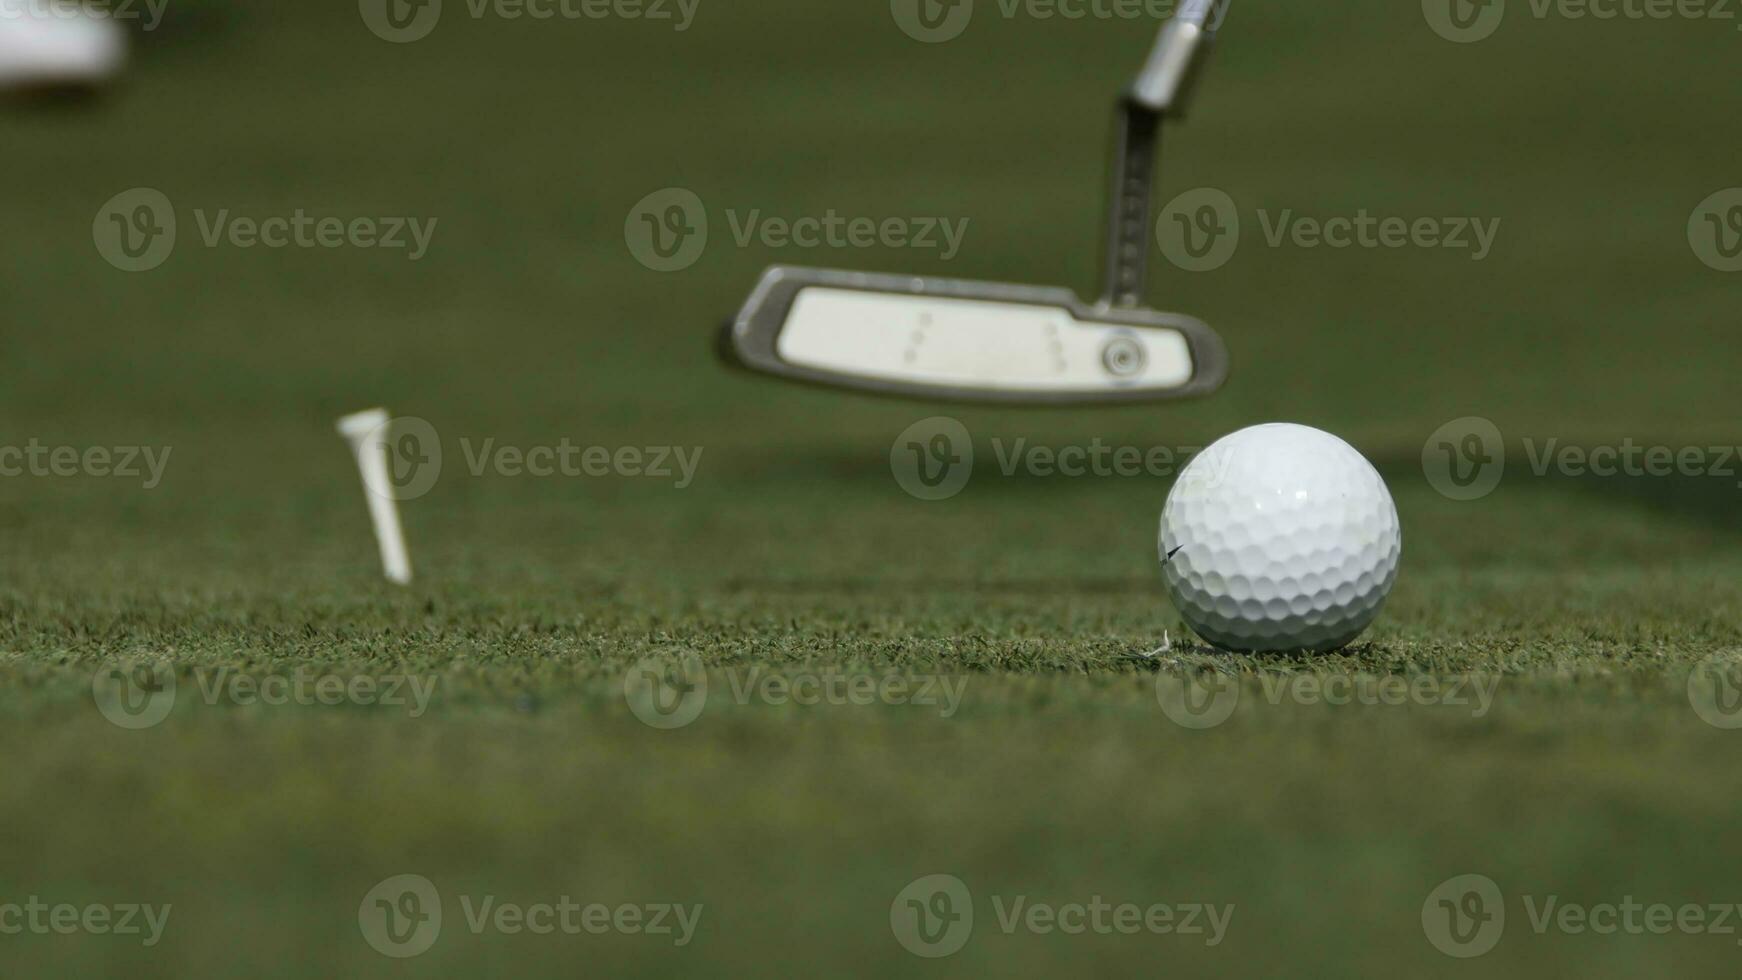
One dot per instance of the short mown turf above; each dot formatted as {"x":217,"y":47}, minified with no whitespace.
{"x":1522,"y":710}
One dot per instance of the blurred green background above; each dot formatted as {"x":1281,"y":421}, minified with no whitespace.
{"x":529,"y":321}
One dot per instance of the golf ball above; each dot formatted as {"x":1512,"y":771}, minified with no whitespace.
{"x":1279,"y":537}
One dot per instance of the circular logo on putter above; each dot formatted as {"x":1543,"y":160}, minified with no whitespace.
{"x":134,"y":231}
{"x":1124,"y":356}
{"x":1199,"y":230}
{"x":933,"y":458}
{"x":1715,"y":230}
{"x":667,"y":231}
{"x":932,"y":21}
{"x":400,"y":21}
{"x":1464,"y":21}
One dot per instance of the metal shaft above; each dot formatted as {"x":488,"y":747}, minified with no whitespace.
{"x":1135,"y":153}
{"x":1161,"y":90}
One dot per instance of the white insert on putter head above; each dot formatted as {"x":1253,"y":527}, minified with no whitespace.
{"x":367,"y":433}
{"x":962,"y":340}
{"x":47,"y":44}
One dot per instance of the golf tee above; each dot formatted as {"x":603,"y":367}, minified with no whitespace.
{"x":367,"y":434}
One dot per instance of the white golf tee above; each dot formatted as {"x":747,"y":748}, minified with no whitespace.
{"x":367,"y":434}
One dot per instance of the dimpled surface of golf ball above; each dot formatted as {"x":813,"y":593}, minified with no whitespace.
{"x":1279,"y":538}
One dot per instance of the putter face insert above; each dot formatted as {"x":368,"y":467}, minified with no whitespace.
{"x":959,"y":340}
{"x":968,"y":341}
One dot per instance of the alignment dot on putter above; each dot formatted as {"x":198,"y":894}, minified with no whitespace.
{"x":367,"y":434}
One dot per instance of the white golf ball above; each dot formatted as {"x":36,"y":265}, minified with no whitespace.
{"x":1279,"y":537}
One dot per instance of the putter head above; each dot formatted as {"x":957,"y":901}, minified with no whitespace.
{"x":964,"y":341}
{"x":955,"y":340}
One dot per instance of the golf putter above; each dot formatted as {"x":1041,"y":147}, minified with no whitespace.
{"x":966,"y":341}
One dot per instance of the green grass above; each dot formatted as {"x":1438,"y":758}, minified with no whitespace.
{"x":1586,"y":601}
